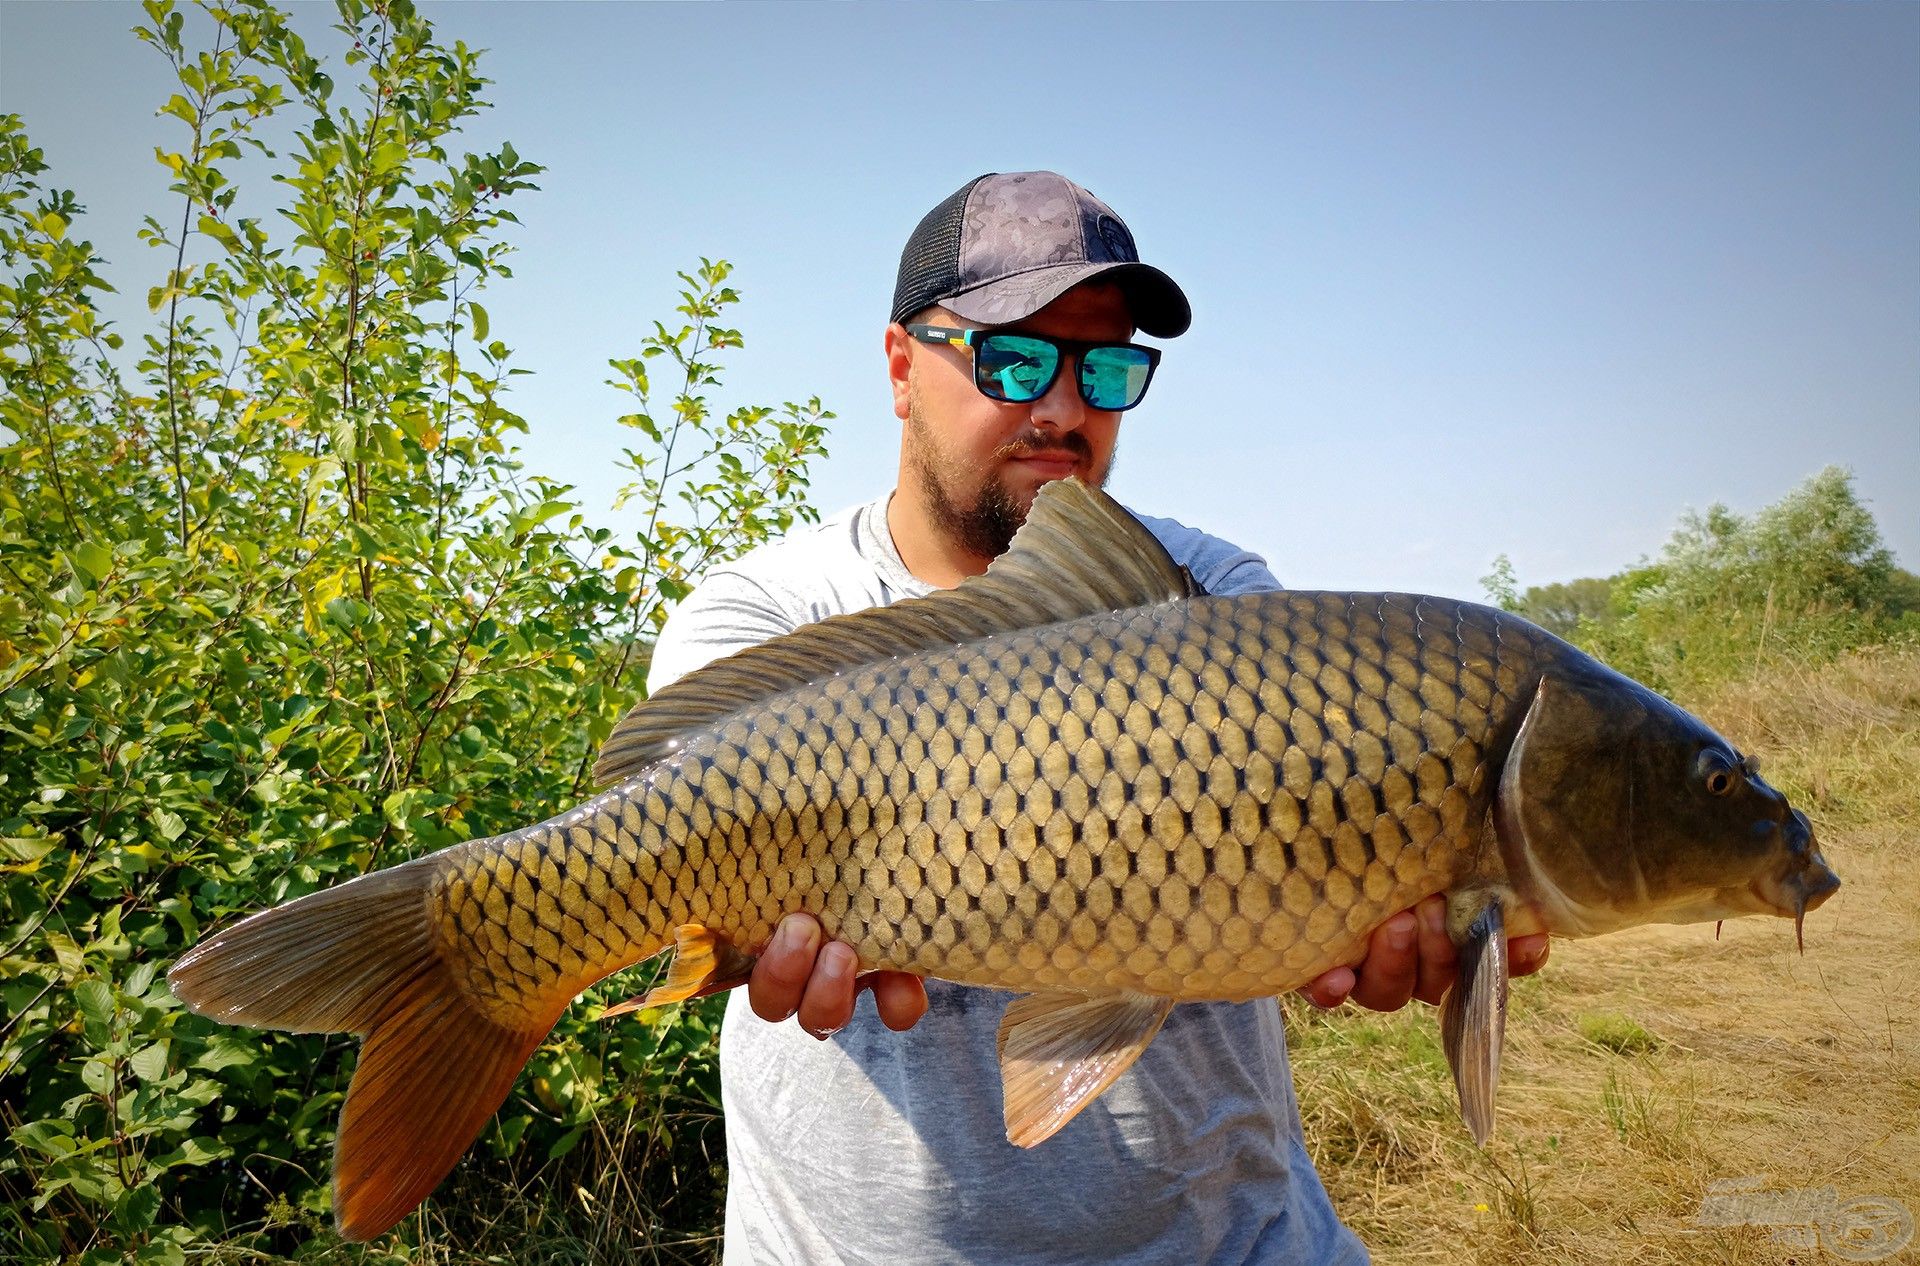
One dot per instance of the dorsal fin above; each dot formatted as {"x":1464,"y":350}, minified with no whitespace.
{"x":1079,"y":553}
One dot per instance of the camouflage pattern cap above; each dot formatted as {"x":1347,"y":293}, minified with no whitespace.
{"x":1005,"y":245}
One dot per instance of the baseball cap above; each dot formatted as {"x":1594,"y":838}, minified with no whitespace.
{"x":1005,"y":245}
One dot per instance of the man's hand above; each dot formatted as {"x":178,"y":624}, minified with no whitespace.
{"x":797,"y":975}
{"x":1409,"y":956}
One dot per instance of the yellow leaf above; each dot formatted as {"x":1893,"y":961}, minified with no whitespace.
{"x":328,"y":588}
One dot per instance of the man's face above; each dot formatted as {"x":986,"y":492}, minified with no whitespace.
{"x":978,"y":461}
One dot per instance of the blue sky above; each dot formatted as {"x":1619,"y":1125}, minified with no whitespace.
{"x":1466,"y":279}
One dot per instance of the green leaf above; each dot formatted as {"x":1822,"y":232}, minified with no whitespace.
{"x":26,"y":848}
{"x":139,"y":980}
{"x":480,"y":322}
{"x":364,"y":544}
{"x":226,"y":1051}
{"x":66,"y":953}
{"x":49,"y":1138}
{"x":92,"y":561}
{"x":94,"y":998}
{"x":398,"y":807}
{"x":195,"y":1151}
{"x":134,"y":1211}
{"x":149,"y":1063}
{"x":161,"y":1253}
{"x":566,"y":1142}
{"x":97,"y":1075}
{"x":340,"y":749}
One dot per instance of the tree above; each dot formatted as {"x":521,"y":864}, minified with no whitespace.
{"x":1501,"y":586}
{"x":1816,"y":548}
{"x":280,"y":605}
{"x":1561,"y":607}
{"x":1806,"y":577}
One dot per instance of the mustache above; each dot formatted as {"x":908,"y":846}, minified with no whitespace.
{"x":1038,"y":444}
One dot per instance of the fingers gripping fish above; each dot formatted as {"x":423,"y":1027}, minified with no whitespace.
{"x":1075,"y":777}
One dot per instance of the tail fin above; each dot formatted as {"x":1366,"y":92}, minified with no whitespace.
{"x":362,"y":958}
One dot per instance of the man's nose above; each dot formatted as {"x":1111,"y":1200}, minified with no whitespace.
{"x":1062,"y":408}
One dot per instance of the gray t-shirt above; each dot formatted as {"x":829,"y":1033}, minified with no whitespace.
{"x":889,"y":1148}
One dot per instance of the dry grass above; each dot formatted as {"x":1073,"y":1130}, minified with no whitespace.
{"x":1644,"y":1067}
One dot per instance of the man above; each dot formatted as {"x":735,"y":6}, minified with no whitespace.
{"x":1010,"y":361}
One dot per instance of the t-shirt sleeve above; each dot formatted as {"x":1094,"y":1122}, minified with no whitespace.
{"x":1232,"y":570}
{"x":1220,"y":566}
{"x":726,"y":612}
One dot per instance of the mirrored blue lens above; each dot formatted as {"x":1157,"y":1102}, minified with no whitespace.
{"x":1014,"y":367}
{"x":1114,"y":377}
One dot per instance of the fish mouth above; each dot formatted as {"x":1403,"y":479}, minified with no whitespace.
{"x":1791,"y":894}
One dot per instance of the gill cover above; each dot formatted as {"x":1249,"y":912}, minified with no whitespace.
{"x":1566,"y":804}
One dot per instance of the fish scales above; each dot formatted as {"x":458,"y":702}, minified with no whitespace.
{"x":1214,"y":799}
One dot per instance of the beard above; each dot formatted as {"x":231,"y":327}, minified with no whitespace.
{"x":975,"y":508}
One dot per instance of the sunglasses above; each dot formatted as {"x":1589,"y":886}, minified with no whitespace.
{"x":1020,"y":368}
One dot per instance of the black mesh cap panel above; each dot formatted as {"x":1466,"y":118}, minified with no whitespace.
{"x":930,"y":265}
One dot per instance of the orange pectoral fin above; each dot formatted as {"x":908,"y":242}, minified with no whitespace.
{"x":704,"y":962}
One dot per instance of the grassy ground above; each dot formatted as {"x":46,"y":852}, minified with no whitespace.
{"x":1644,"y":1067}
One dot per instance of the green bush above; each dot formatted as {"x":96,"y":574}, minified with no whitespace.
{"x":279,"y":605}
{"x":1804,"y":580}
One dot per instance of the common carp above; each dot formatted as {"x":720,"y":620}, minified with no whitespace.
{"x":1075,"y":777}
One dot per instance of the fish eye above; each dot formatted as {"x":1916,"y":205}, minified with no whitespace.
{"x":1719,"y":775}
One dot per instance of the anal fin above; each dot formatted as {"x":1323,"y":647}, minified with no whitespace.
{"x":1059,"y":1051}
{"x":1473,"y":1018}
{"x":704,"y":962}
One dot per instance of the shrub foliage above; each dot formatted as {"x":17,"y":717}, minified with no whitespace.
{"x":279,"y":605}
{"x":1805,"y":578}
